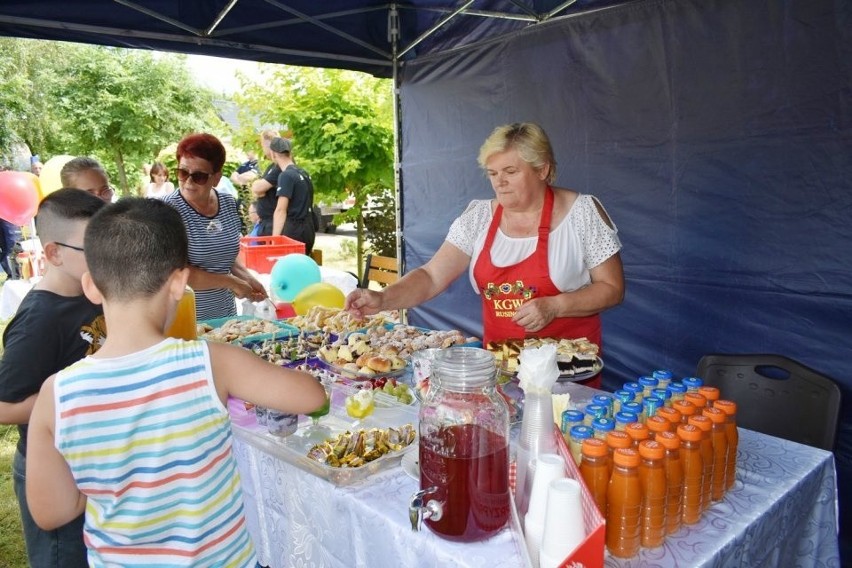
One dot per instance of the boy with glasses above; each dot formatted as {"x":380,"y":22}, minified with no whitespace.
{"x":55,"y":325}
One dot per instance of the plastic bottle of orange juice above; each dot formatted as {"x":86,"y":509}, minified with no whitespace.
{"x":652,"y":482}
{"x":670,"y":414}
{"x":594,"y":468}
{"x":183,"y":326}
{"x":637,"y":432}
{"x":624,"y":500}
{"x":720,"y":451}
{"x":730,"y":409}
{"x":674,"y":480}
{"x":615,"y":440}
{"x":710,"y":393}
{"x":685,"y":408}
{"x":697,"y":399}
{"x":693,"y":471}
{"x":707,"y":457}
{"x":657,"y":424}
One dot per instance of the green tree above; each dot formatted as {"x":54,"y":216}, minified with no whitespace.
{"x":341,"y":123}
{"x":120,"y":106}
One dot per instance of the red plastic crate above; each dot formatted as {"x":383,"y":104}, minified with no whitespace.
{"x":260,"y":253}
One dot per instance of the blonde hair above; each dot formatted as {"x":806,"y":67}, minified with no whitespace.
{"x":530,"y":141}
{"x":268,"y":135}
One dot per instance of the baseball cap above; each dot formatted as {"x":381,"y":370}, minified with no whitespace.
{"x":280,"y":145}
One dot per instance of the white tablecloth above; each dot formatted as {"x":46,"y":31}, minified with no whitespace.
{"x":780,"y":512}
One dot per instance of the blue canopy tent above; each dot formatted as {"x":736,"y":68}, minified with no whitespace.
{"x":717,"y":133}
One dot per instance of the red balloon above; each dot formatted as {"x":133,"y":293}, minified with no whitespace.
{"x":18,"y":197}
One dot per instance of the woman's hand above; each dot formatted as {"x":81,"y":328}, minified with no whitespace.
{"x":250,"y":289}
{"x":535,"y":314}
{"x":361,"y":302}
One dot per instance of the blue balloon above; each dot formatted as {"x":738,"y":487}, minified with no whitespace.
{"x":291,"y":274}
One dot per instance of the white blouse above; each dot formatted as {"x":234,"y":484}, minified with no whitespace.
{"x":580,"y":242}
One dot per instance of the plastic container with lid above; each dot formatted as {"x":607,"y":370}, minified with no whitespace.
{"x":686,"y":410}
{"x":710,"y":393}
{"x":601,"y":426}
{"x":634,"y":388}
{"x":730,"y":409}
{"x":697,"y":399}
{"x":720,"y":451}
{"x":593,"y":411}
{"x":664,"y":377}
{"x":619,"y":398}
{"x":623,"y":418}
{"x":633,"y":407}
{"x":650,"y":405}
{"x":674,"y":480}
{"x":595,"y":470}
{"x":637,"y":432}
{"x":707,"y":457}
{"x":570,"y":418}
{"x":604,"y":400}
{"x":693,"y":472}
{"x":648,"y":385}
{"x":464,"y":449}
{"x":662,"y":394}
{"x":670,"y":414}
{"x":692,"y":384}
{"x":652,"y":480}
{"x":657,"y":424}
{"x":624,"y":496}
{"x":579,"y":432}
{"x":676,"y":392}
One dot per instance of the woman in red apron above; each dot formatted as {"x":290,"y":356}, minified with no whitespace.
{"x":544,"y":260}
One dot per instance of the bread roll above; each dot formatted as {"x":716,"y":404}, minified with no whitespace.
{"x":379,"y":364}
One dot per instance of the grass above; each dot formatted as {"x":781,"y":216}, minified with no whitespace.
{"x":13,"y":554}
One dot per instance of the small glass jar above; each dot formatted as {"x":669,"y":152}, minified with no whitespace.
{"x":579,"y":433}
{"x":648,"y":385}
{"x":464,"y":429}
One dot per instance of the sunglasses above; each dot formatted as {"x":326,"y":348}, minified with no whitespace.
{"x":197,"y":177}
{"x":72,"y":247}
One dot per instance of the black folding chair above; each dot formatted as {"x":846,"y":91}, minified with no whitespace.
{"x":777,"y":396}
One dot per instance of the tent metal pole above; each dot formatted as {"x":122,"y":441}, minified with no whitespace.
{"x":438,"y":25}
{"x":393,"y":36}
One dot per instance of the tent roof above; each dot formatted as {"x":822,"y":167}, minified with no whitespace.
{"x":347,"y":34}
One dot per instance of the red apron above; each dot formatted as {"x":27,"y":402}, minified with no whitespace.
{"x":505,"y":288}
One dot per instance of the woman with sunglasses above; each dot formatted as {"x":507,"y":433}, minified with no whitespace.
{"x":213,"y":226}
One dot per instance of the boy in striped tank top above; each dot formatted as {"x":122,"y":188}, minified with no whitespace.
{"x":138,"y":435}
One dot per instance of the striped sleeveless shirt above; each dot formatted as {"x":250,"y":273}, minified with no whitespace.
{"x":149,"y":444}
{"x":214,"y":243}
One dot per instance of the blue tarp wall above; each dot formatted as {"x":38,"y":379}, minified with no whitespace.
{"x":718,"y":135}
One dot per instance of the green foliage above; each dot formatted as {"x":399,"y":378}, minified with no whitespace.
{"x":341,"y":124}
{"x":380,"y":223}
{"x":119,"y":106}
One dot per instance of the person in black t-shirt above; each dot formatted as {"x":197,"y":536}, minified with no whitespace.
{"x":263,"y":188}
{"x":294,"y":197}
{"x":55,"y":326}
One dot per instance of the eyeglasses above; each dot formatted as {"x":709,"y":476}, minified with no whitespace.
{"x":197,"y":177}
{"x":69,"y":246}
{"x":104,"y":192}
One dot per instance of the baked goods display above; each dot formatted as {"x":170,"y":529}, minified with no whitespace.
{"x":335,"y":320}
{"x":406,"y":339}
{"x":237,"y":329}
{"x":575,"y":357}
{"x":355,"y":449}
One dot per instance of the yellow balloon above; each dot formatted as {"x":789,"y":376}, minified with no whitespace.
{"x":318,"y":294}
{"x":49,"y":177}
{"x":36,"y":183}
